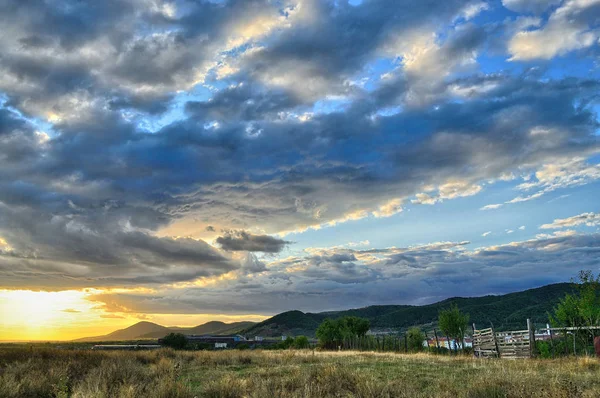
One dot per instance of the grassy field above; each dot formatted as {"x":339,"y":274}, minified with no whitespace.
{"x":44,"y":372}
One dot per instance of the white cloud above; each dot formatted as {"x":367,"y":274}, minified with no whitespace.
{"x":567,"y":29}
{"x":390,"y":208}
{"x":449,"y":190}
{"x":550,"y":177}
{"x":588,"y":219}
{"x":492,"y":207}
{"x":522,"y":227}
{"x":509,"y":231}
{"x":525,"y":6}
{"x":472,"y":10}
{"x":486,"y":233}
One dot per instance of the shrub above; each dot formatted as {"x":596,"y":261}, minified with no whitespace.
{"x":415,"y":339}
{"x":301,"y":342}
{"x":175,"y":340}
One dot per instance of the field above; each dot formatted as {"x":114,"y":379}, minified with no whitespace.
{"x":49,"y":372}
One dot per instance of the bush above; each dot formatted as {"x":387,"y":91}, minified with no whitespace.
{"x":332,"y":332}
{"x":175,"y":340}
{"x":301,"y":342}
{"x":543,"y":348}
{"x":415,"y":339}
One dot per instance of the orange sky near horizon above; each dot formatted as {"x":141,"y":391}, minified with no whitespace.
{"x":27,"y":315}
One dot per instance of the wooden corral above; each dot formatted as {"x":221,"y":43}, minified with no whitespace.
{"x":510,"y":345}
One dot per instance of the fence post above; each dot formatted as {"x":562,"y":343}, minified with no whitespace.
{"x":496,"y":341}
{"x":405,"y":343}
{"x":552,"y":343}
{"x":437,"y":343}
{"x":531,"y":331}
{"x":474,"y":351}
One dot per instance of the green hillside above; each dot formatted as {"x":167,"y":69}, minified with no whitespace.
{"x":505,"y":312}
{"x":293,"y":323}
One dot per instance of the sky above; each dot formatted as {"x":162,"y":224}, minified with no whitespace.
{"x":193,"y":160}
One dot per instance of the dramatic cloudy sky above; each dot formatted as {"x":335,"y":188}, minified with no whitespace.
{"x":187,"y":160}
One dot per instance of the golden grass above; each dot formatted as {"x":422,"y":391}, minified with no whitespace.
{"x":167,"y":373}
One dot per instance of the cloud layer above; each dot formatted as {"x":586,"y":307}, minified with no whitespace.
{"x":131,"y":131}
{"x":346,"y":278}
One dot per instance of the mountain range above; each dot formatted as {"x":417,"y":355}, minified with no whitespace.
{"x":148,"y":330}
{"x":504,"y":312}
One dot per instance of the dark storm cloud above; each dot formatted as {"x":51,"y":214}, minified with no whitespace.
{"x":242,"y":102}
{"x":244,"y":241}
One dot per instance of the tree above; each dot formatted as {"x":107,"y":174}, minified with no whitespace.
{"x":581,"y":308}
{"x":175,"y":340}
{"x":453,"y":323}
{"x":415,"y":338}
{"x":357,"y":326}
{"x":287,"y":343}
{"x":332,"y":332}
{"x":301,"y":342}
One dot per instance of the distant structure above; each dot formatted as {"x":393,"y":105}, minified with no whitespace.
{"x":450,"y":344}
{"x":231,"y":339}
{"x":228,"y":341}
{"x":126,"y":347}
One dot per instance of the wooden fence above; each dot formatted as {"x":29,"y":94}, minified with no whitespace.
{"x":513,"y":344}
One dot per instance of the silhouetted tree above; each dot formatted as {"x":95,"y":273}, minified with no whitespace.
{"x":175,"y":340}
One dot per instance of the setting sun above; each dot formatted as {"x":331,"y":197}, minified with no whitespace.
{"x":29,"y":315}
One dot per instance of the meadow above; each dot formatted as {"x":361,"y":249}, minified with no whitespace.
{"x":51,"y":372}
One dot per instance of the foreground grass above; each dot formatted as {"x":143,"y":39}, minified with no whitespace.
{"x":166,"y":373}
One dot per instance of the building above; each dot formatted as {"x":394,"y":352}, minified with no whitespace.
{"x":448,"y":343}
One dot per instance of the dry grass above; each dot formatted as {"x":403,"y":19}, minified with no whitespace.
{"x":166,"y":373}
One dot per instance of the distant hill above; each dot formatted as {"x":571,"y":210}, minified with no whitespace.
{"x":149,"y":330}
{"x":132,"y":332}
{"x":505,"y":312}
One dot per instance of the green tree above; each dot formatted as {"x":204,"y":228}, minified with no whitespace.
{"x":453,"y":323}
{"x":301,"y":342}
{"x":332,"y":332}
{"x":287,"y":343}
{"x":581,"y":308}
{"x":357,"y":326}
{"x":329,"y":333}
{"x":175,"y":340}
{"x":415,"y":338}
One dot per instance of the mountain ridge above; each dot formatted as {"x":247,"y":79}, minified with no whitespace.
{"x":506,"y":312}
{"x":148,"y":330}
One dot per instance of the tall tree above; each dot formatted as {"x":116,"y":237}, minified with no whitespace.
{"x":581,"y":308}
{"x":453,"y":324}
